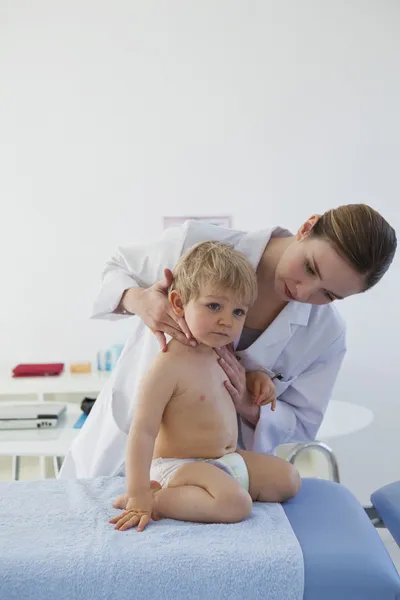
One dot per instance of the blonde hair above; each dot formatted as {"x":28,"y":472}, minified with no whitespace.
{"x":362,"y":237}
{"x":216,"y":265}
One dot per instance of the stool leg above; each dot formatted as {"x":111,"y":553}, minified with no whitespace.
{"x":320,"y":447}
{"x":374,"y":517}
{"x":16,"y":468}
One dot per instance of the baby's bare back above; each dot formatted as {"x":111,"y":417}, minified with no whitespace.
{"x":200,"y":419}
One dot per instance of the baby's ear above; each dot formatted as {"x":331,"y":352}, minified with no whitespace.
{"x":176,"y":303}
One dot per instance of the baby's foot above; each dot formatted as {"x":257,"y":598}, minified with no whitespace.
{"x":122,"y":500}
{"x":155,"y":486}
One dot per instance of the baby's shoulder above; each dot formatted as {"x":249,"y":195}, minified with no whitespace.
{"x":180,"y":360}
{"x":176,"y":356}
{"x":162,"y":371}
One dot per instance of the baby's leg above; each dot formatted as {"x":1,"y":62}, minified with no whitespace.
{"x":200,"y":492}
{"x":272,"y":479}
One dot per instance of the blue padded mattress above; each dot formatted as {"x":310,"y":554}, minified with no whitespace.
{"x":344,"y":556}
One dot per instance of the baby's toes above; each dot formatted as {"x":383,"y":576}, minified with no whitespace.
{"x":121,"y":502}
{"x":155,"y":486}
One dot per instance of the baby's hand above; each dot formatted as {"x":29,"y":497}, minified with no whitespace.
{"x":262,"y":388}
{"x":138,"y":512}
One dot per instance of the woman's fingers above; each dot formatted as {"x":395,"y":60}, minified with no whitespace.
{"x":179,"y":323}
{"x":177,"y":334}
{"x":184,"y":327}
{"x":161,"y":340}
{"x":164,"y":284}
{"x":183,"y":332}
{"x":170,"y":321}
{"x":232,"y":391}
{"x":173,"y":327}
{"x":229,"y":358}
{"x":223,"y":352}
{"x":232,"y":368}
{"x":232,"y":373}
{"x":173,"y":332}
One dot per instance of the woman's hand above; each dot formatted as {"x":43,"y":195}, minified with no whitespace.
{"x":236,"y":385}
{"x":155,"y":310}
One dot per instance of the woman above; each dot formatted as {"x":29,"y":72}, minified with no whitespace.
{"x":293,"y":331}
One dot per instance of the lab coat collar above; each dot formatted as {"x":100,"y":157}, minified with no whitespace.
{"x":300,"y":313}
{"x":293,"y":315}
{"x":253,"y":243}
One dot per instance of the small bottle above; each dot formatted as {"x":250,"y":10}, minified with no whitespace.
{"x":107,"y":360}
{"x":99,"y":361}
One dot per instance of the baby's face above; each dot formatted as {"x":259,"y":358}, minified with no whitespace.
{"x":215,"y":318}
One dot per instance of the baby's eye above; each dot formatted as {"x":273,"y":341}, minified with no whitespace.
{"x":214,"y":306}
{"x":239,"y":312}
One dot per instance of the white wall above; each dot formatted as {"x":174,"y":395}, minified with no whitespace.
{"x":114,"y":114}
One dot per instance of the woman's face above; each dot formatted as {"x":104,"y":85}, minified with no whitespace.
{"x":311,"y":271}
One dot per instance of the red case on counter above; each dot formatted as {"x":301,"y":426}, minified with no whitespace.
{"x":38,"y":370}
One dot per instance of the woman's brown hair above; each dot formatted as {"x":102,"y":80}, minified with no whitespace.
{"x":362,"y":237}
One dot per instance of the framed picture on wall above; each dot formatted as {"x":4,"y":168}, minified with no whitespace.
{"x":222,"y":221}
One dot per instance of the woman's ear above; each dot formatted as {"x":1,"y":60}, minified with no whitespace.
{"x":176,"y":303}
{"x":306,"y":227}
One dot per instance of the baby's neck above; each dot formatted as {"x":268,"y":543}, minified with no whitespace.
{"x":204,"y":349}
{"x":179,"y":347}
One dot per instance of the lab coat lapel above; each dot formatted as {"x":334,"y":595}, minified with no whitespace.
{"x":269,"y":346}
{"x":283,"y":326}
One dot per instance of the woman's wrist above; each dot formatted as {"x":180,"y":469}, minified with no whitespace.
{"x":130,"y":301}
{"x":253,"y":415}
{"x":249,"y":411}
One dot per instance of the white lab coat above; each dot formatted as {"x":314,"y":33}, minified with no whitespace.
{"x":305,"y":343}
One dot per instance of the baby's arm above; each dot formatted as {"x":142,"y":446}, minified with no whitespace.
{"x":155,"y":391}
{"x":261,"y":388}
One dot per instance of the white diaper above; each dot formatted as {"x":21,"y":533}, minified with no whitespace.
{"x":233,"y":464}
